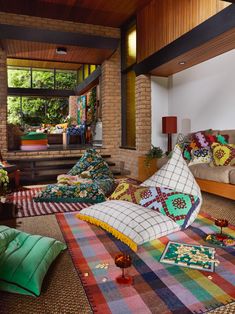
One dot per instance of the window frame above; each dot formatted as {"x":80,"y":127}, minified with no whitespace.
{"x":124,"y":70}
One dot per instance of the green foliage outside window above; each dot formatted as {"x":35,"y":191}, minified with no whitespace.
{"x":66,"y":79}
{"x":35,"y":110}
{"x":43,"y":78}
{"x":19,"y":78}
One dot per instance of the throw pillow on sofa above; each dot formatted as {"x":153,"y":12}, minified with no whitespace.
{"x":201,"y":156}
{"x":223,"y":155}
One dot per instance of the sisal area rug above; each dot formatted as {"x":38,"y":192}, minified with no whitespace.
{"x":157,"y":287}
{"x":26,"y":207}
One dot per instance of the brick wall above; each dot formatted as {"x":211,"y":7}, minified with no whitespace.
{"x":111,"y":112}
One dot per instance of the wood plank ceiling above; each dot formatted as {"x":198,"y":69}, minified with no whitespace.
{"x":111,"y":13}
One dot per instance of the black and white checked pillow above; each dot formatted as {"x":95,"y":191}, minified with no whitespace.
{"x":176,"y":175}
{"x":136,"y":222}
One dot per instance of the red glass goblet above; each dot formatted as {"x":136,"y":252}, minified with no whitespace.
{"x":222,"y":223}
{"x":123,"y":261}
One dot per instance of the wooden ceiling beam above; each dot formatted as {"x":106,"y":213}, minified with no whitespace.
{"x":215,"y":26}
{"x":57,"y":37}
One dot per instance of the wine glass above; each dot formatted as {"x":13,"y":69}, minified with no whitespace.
{"x":123,"y":261}
{"x":222,"y":223}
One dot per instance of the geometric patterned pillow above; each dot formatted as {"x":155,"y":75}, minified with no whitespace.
{"x":201,"y":155}
{"x":176,"y":175}
{"x":201,"y":139}
{"x":177,"y":206}
{"x":222,"y":154}
{"x":128,"y":192}
{"x":219,"y":138}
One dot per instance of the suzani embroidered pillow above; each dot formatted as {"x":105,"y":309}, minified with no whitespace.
{"x":223,"y":155}
{"x":201,"y":156}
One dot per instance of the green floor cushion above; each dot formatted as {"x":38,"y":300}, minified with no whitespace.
{"x":34,"y":136}
{"x":84,"y":192}
{"x":25,"y":260}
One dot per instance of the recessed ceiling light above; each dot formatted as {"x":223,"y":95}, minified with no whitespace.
{"x":61,"y":51}
{"x":182,"y":62}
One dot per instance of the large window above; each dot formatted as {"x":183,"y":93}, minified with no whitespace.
{"x":21,"y":77}
{"x":26,"y":110}
{"x":128,"y":56}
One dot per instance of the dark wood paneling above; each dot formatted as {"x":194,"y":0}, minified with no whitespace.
{"x":57,"y":37}
{"x":163,"y":21}
{"x":43,"y":51}
{"x":101,"y":12}
{"x":211,"y":38}
{"x":211,"y":49}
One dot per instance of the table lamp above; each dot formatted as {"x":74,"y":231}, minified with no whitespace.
{"x":169,"y":127}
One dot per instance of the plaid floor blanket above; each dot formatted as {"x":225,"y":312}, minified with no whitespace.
{"x":26,"y":207}
{"x":157,"y":287}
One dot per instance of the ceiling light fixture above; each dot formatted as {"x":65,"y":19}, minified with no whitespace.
{"x":61,"y":51}
{"x":182,"y":62}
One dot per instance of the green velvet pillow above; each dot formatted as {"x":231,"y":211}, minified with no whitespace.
{"x":25,"y":259}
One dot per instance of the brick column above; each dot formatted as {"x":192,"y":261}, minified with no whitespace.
{"x":143,"y":113}
{"x":3,"y":103}
{"x":111,"y":101}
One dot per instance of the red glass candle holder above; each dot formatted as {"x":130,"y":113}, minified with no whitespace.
{"x":123,"y":261}
{"x":222,"y":223}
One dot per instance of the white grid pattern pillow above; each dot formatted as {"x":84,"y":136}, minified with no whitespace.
{"x":176,"y":175}
{"x":136,"y":222}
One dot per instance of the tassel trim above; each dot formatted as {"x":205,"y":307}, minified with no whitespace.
{"x":117,"y":234}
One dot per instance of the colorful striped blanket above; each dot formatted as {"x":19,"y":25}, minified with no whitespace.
{"x":157,"y":287}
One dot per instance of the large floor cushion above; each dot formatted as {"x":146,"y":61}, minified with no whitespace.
{"x":91,"y":166}
{"x":131,"y":223}
{"x":85,"y":193}
{"x":206,"y":172}
{"x":25,"y":260}
{"x":176,"y":175}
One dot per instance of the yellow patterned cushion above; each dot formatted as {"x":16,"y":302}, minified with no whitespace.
{"x":128,"y":192}
{"x":223,"y":155}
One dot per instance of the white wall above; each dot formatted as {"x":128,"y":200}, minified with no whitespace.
{"x":159,"y":90}
{"x":204,"y":94}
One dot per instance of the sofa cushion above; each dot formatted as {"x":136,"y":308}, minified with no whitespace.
{"x":232,"y":176}
{"x":219,"y":174}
